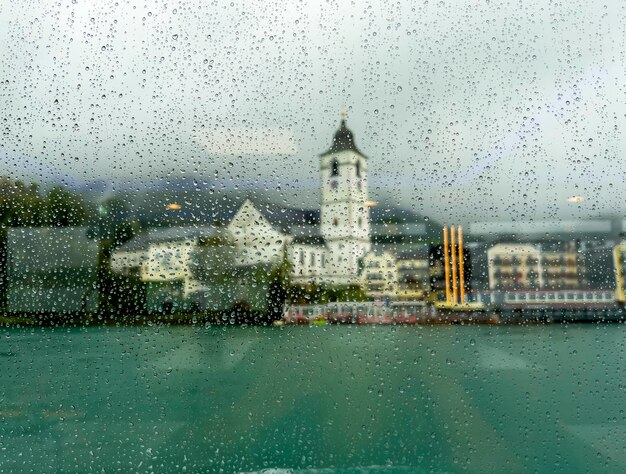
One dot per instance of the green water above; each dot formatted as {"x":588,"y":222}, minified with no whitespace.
{"x":319,"y":399}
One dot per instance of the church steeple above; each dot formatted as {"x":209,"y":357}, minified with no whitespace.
{"x":343,"y":140}
{"x":345,"y":217}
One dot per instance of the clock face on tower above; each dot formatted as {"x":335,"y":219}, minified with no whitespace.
{"x":334,"y":184}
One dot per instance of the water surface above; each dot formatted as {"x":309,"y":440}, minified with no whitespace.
{"x":313,"y":399}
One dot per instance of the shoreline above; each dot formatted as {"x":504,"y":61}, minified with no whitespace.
{"x":8,"y":320}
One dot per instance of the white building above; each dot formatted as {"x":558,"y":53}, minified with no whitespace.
{"x":328,"y":250}
{"x":325,"y":246}
{"x":163,"y":255}
{"x":308,"y":257}
{"x":345,"y":216}
{"x":256,"y":238}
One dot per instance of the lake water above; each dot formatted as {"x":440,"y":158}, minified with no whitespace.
{"x":314,"y":399}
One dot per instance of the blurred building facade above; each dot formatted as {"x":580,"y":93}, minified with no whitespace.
{"x":51,"y":270}
{"x":166,"y":261}
{"x":547,"y":265}
{"x":413,"y":273}
{"x":514,"y":266}
{"x":379,"y":275}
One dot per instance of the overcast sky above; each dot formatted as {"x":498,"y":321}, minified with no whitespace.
{"x":467,"y":110}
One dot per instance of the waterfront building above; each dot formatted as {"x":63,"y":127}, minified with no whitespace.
{"x":265,"y":233}
{"x":396,"y":272}
{"x":562,"y":266}
{"x":598,"y":259}
{"x":514,"y":266}
{"x":535,"y":231}
{"x":542,"y":265}
{"x":345,"y":214}
{"x":51,"y":270}
{"x":259,"y":234}
{"x":327,"y":247}
{"x":308,"y":257}
{"x":379,"y":276}
{"x":164,"y":259}
{"x":413,"y":274}
{"x":161,"y":254}
{"x":128,"y":258}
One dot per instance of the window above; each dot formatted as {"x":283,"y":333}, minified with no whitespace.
{"x":176,"y":294}
{"x":334,"y":168}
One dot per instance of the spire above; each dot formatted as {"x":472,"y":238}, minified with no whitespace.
{"x":343,"y":139}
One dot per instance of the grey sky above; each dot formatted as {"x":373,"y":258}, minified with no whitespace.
{"x":490,"y":110}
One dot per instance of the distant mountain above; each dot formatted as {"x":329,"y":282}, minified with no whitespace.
{"x":28,"y":169}
{"x":186,"y":205}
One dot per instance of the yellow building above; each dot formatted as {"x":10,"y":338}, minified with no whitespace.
{"x":619,"y":265}
{"x":514,"y":267}
{"x":561,"y":270}
{"x":547,"y":266}
{"x":412,"y":270}
{"x":379,"y":275}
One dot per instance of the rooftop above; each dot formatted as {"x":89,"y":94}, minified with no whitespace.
{"x":343,"y":141}
{"x":168,"y":234}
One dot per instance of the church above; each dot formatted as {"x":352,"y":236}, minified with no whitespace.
{"x":325,"y":248}
{"x":346,"y":241}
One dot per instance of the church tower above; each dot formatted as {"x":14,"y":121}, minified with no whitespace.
{"x":345,"y":215}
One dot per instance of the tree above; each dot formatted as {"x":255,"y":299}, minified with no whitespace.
{"x":279,"y":284}
{"x":213,"y":258}
{"x":63,"y":208}
{"x":113,"y":227}
{"x":20,"y":205}
{"x":23,"y":205}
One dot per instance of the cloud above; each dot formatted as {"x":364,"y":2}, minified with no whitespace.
{"x":248,"y":141}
